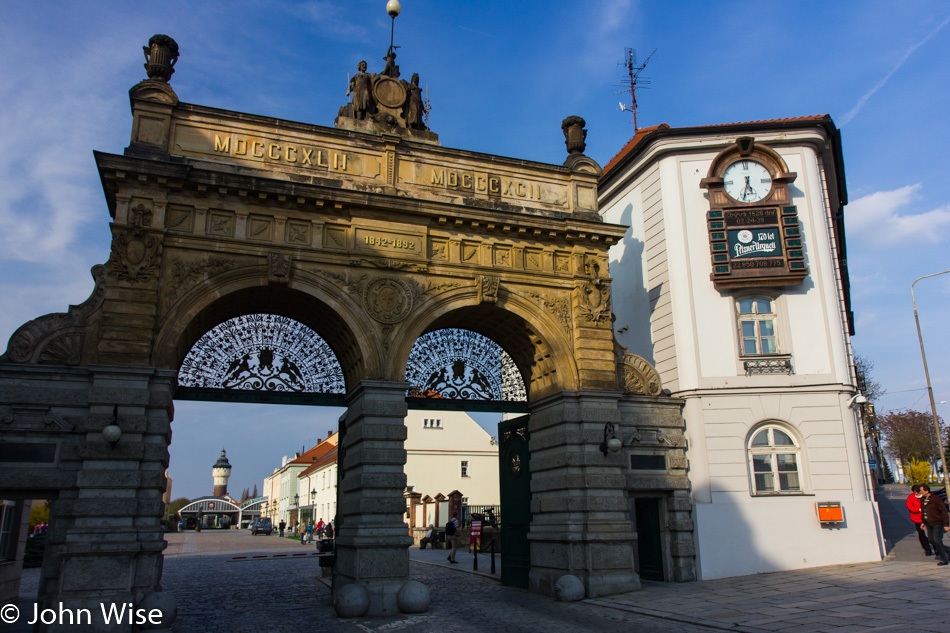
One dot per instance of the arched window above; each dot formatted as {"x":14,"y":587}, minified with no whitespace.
{"x":756,"y":319}
{"x":775,"y":461}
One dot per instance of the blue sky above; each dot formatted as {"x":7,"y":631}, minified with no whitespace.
{"x":501,"y":77}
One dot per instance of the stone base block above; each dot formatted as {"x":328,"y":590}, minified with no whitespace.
{"x":596,"y":584}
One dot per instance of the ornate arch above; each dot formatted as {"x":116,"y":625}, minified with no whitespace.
{"x":537,"y":341}
{"x":236,"y":293}
{"x":461,"y":364}
{"x":262,"y":352}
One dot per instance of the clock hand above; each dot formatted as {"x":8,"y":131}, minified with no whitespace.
{"x":747,"y":190}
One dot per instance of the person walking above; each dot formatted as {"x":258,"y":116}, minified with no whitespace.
{"x":282,"y":526}
{"x":914,"y":508}
{"x":310,"y":532}
{"x":320,"y":526}
{"x":935,"y":516}
{"x":452,"y":533}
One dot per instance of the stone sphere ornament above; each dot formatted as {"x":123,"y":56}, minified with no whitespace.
{"x":351,"y":601}
{"x":393,"y":8}
{"x":413,"y":597}
{"x":112,"y":433}
{"x":568,"y":588}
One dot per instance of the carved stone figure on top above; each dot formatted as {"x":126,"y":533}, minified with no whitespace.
{"x":385,"y":104}
{"x":360,"y":85}
{"x":416,"y":108}
{"x":575,"y":136}
{"x":160,"y":57}
{"x":391,"y":69}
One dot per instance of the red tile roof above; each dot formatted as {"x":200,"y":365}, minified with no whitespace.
{"x":639,"y":136}
{"x":329,"y":458}
{"x":644,"y":132}
{"x":318,"y":451}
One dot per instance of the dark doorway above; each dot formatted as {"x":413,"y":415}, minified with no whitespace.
{"x":649,"y":540}
{"x":515,"y":481}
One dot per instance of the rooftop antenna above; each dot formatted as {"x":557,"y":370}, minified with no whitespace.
{"x":633,"y":80}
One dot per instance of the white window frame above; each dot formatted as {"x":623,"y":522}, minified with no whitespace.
{"x":774,"y":453}
{"x":465,"y":468}
{"x":757,"y":318}
{"x":432,"y":423}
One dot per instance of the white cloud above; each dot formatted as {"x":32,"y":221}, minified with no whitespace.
{"x":878,"y":217}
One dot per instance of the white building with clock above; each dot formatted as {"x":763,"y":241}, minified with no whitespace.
{"x":732,"y":280}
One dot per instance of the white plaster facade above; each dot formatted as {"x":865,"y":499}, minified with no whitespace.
{"x":669,"y":311}
{"x":439,"y":445}
{"x":284,"y":483}
{"x":448,"y":450}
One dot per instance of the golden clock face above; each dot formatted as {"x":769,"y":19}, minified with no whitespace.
{"x":747,"y":181}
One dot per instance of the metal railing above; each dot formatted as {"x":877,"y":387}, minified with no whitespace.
{"x":491,"y":514}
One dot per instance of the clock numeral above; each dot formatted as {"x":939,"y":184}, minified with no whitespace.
{"x":727,"y":182}
{"x":766,"y":181}
{"x":745,"y":165}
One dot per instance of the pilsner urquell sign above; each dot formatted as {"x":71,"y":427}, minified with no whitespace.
{"x":754,"y":234}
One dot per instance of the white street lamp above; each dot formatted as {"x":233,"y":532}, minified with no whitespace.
{"x":930,"y":391}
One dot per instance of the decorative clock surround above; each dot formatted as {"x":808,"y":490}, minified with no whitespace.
{"x":754,"y":235}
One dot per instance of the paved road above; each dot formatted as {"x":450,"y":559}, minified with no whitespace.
{"x":276,"y":595}
{"x":216,"y":593}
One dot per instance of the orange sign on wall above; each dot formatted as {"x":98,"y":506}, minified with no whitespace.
{"x":829,"y":512}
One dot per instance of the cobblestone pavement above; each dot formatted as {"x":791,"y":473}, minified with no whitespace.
{"x":217,"y":594}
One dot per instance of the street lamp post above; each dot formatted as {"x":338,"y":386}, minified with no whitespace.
{"x":313,"y":511}
{"x":930,"y":391}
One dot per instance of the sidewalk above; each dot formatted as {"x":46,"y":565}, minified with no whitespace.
{"x":465,"y":560}
{"x":886,"y":596}
{"x":906,"y":592}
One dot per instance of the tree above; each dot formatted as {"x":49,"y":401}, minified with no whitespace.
{"x":173,"y":508}
{"x":871,"y":388}
{"x":245,"y":495}
{"x":909,"y":435}
{"x":39,"y":513}
{"x":917,"y":472}
{"x":254,"y":494}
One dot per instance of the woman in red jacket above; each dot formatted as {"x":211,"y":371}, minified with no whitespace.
{"x":913,"y":506}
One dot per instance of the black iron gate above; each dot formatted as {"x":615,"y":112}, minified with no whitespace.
{"x":515,"y":481}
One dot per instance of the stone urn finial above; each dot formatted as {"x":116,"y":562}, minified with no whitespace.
{"x":574,"y":134}
{"x":160,"y":57}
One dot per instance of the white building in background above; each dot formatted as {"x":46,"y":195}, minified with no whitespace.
{"x":733,"y":282}
{"x":448,"y":450}
{"x":281,"y":487}
{"x":317,"y":485}
{"x":445,"y":451}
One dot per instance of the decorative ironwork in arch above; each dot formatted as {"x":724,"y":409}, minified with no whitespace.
{"x":461,"y":364}
{"x":262,"y":352}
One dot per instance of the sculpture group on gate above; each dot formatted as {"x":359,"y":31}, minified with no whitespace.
{"x":384,"y":99}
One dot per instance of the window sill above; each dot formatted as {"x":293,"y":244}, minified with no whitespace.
{"x":782,"y":494}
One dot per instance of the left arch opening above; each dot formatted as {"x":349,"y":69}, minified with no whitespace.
{"x":262,"y":352}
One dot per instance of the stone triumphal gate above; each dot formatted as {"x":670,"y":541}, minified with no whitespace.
{"x":372,"y":234}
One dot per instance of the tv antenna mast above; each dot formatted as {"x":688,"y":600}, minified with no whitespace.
{"x":633,"y":80}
